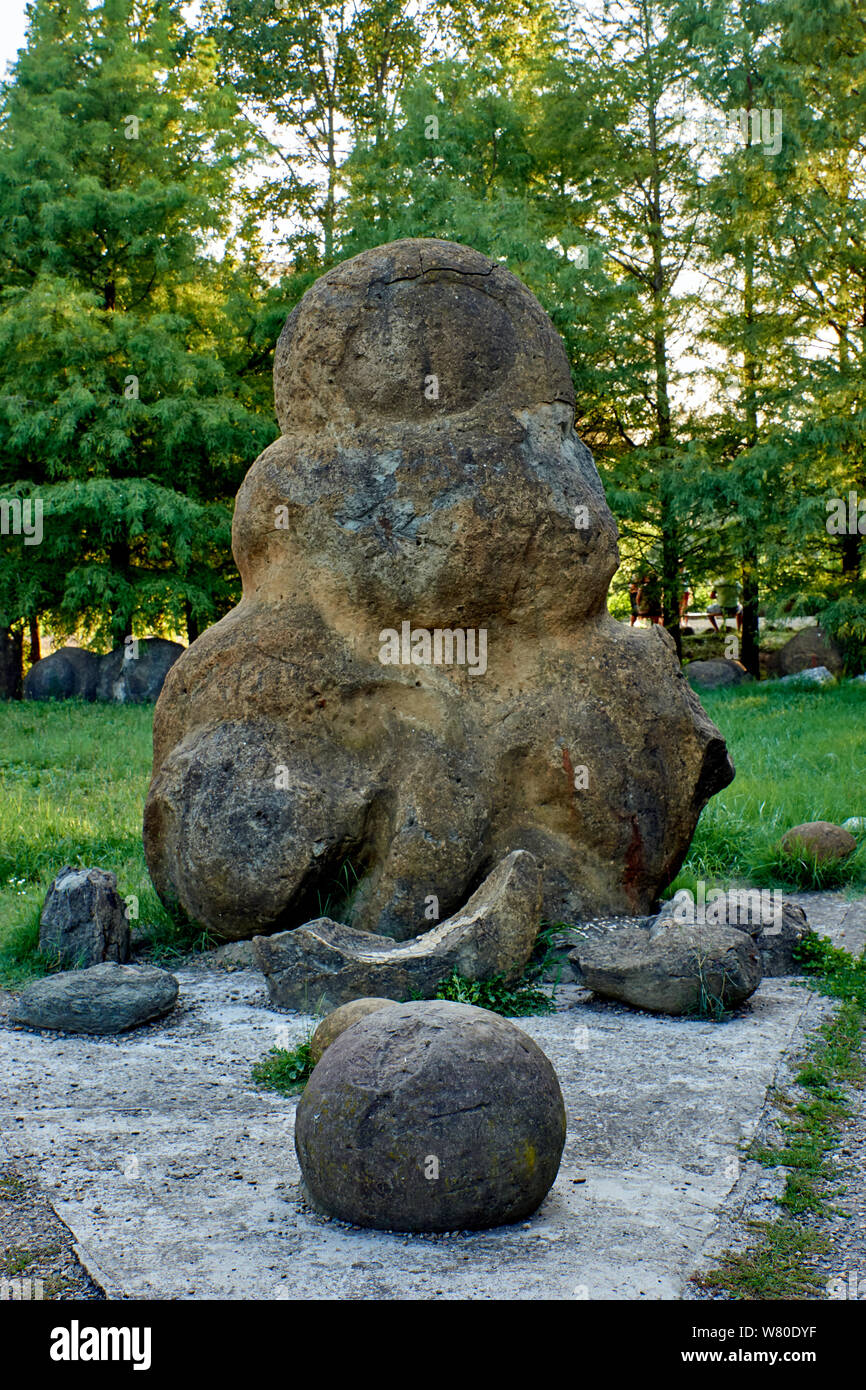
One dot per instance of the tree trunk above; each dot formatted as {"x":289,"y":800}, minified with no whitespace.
{"x":749,"y":646}
{"x":35,"y":642}
{"x":192,"y":627}
{"x":11,"y":663}
{"x":749,"y":634}
{"x":121,"y":618}
{"x":851,"y":555}
{"x":664,"y":428}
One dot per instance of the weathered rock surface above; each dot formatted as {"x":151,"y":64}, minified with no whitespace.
{"x":134,"y":674}
{"x":428,"y":475}
{"x":339,"y":1020}
{"x":671,"y":967}
{"x":84,"y":919}
{"x":431,"y":1117}
{"x":67,"y":674}
{"x":777,"y":927}
{"x":716,"y":672}
{"x":107,"y":998}
{"x":777,"y":941}
{"x":820,"y":840}
{"x":325,"y":964}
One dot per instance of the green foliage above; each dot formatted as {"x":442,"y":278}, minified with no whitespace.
{"x":833,"y":970}
{"x":73,"y":779}
{"x":124,"y":345}
{"x":799,"y":754}
{"x":315,"y":74}
{"x":776,"y":1266}
{"x":337,"y":901}
{"x":513,"y":1001}
{"x":285,"y":1070}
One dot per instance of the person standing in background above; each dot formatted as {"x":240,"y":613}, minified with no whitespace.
{"x":685,"y":595}
{"x":724,"y":603}
{"x":633,"y":587}
{"x":649,"y":598}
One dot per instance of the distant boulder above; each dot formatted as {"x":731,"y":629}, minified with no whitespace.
{"x":133,"y":674}
{"x":710,"y":674}
{"x":130,"y":675}
{"x":68,"y":674}
{"x":820,"y":840}
{"x":809,"y":647}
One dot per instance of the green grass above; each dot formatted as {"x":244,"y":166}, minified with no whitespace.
{"x":518,"y":1000}
{"x":800,"y":755}
{"x":73,"y":778}
{"x":286,"y":1070}
{"x":776,"y":1264}
{"x":17,"y":1259}
{"x":512,"y":1001}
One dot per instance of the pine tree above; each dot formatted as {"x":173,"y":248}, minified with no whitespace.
{"x":126,"y":404}
{"x":318,"y":77}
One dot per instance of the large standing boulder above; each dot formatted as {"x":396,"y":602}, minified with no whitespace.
{"x":134,"y":673}
{"x":84,"y":919}
{"x":70,"y":673}
{"x":422,"y":674}
{"x":103,"y":999}
{"x":671,"y":967}
{"x":430,"y":1117}
{"x":325,"y":964}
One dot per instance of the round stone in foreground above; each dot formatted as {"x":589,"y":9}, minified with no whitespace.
{"x":430,"y":1116}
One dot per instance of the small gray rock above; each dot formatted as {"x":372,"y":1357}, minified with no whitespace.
{"x":813,"y":675}
{"x":107,"y":998}
{"x":777,"y":941}
{"x":84,"y":919}
{"x":716,"y":672}
{"x":430,"y":1116}
{"x":671,"y":967}
{"x":775,"y":926}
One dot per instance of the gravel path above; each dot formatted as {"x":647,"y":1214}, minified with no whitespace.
{"x":842,"y":1271}
{"x":160,"y":1134}
{"x":37,"y":1251}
